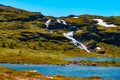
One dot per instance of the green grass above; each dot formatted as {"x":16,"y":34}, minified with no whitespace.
{"x":48,"y":49}
{"x":30,"y":56}
{"x":18,"y":43}
{"x":110,"y":50}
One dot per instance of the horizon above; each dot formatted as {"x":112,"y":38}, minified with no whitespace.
{"x":65,"y":8}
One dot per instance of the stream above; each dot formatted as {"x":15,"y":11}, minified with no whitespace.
{"x":69,"y":35}
{"x":79,"y":44}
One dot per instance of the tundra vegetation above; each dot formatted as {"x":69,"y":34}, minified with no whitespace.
{"x":24,"y":39}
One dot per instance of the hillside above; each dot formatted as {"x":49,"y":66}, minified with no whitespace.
{"x":25,"y":38}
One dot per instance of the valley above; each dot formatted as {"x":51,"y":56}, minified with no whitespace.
{"x":33,"y":38}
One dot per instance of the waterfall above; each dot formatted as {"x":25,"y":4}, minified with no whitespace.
{"x":80,"y":45}
{"x":64,"y":22}
{"x":47,"y":23}
{"x":101,"y":22}
{"x":59,"y":21}
{"x":69,"y":35}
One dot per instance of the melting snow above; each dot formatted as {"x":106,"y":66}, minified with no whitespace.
{"x":75,"y":17}
{"x":98,"y":48}
{"x":101,"y":22}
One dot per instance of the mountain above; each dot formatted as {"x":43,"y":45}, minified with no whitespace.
{"x":21,"y":29}
{"x":9,"y":14}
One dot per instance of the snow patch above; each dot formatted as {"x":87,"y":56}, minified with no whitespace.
{"x":98,"y":48}
{"x":75,"y":17}
{"x":101,"y":22}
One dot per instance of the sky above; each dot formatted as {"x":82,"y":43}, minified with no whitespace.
{"x":66,"y":7}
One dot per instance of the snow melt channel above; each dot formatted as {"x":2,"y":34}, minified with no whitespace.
{"x":61,"y":22}
{"x":101,"y":22}
{"x":47,"y":23}
{"x":69,"y":36}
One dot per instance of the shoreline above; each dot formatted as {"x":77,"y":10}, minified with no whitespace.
{"x":81,"y":63}
{"x":7,"y":73}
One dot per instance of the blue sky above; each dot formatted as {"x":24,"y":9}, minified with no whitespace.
{"x":66,"y":7}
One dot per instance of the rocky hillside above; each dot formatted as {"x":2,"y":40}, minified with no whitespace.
{"x":10,"y":14}
{"x":20,"y":29}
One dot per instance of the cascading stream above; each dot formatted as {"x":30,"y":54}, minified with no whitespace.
{"x":47,"y":23}
{"x":69,"y":36}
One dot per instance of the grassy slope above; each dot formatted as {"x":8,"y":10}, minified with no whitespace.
{"x":19,"y":44}
{"x":38,"y":51}
{"x":44,"y":49}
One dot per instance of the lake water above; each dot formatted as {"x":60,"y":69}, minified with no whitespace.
{"x":93,"y":59}
{"x":70,"y":70}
